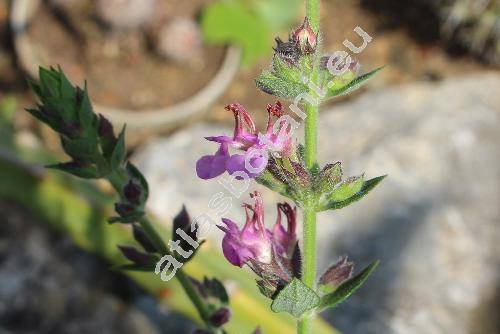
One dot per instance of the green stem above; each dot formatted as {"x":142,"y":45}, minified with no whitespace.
{"x":193,"y":294}
{"x":310,"y":144}
{"x":311,"y":135}
{"x":153,"y":236}
{"x":312,"y":13}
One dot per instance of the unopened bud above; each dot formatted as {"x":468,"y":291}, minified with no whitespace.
{"x":338,"y":272}
{"x":124,"y":209}
{"x":220,"y":317}
{"x":135,"y":255}
{"x":305,"y":38}
{"x":329,"y":177}
{"x":132,"y":192}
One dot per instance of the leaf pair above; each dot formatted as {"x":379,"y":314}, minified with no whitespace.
{"x":297,"y":298}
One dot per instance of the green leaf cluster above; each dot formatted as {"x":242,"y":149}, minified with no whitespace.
{"x":248,"y":24}
{"x":86,"y":137}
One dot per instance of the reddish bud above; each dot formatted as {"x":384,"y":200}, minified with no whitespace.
{"x":338,"y":272}
{"x":132,"y":192}
{"x":220,"y":317}
{"x":305,"y":38}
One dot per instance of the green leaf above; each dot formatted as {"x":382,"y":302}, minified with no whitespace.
{"x":295,"y":298}
{"x":353,"y":85}
{"x":86,"y":114}
{"x":128,"y":219}
{"x":365,"y":189}
{"x":86,"y":172}
{"x":278,"y":14}
{"x":49,"y":85}
{"x":119,"y":152}
{"x":233,"y":22}
{"x":81,"y":149}
{"x":329,"y":177}
{"x":347,"y":189}
{"x":347,"y":288}
{"x":135,"y":267}
{"x":271,"y":84}
{"x":285,"y":71}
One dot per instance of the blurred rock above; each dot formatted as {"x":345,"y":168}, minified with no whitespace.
{"x":180,"y":40}
{"x":433,"y":222}
{"x":47,"y":286}
{"x":126,"y":14}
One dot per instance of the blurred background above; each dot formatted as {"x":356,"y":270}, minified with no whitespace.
{"x":430,"y":120}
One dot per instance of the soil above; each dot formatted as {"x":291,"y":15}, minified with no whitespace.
{"x":409,"y":53}
{"x":110,"y":60}
{"x":138,"y":79}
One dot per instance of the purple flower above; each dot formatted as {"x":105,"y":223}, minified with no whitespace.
{"x":254,"y":242}
{"x":254,"y":148}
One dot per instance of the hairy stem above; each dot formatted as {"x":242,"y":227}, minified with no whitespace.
{"x":312,"y":13}
{"x":310,"y":144}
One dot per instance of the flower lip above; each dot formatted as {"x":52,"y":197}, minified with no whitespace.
{"x":254,"y":242}
{"x":256,"y":147}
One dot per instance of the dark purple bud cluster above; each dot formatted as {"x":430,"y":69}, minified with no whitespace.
{"x":215,"y":295}
{"x":87,"y":138}
{"x":301,"y":42}
{"x":184,"y":236}
{"x":133,"y":197}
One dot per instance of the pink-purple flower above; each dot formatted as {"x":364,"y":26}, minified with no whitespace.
{"x":254,"y":148}
{"x":254,"y":242}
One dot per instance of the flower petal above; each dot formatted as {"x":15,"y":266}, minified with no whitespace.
{"x":210,"y":166}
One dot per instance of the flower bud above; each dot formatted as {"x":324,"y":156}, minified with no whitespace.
{"x":337,"y":273}
{"x":132,"y":192}
{"x":305,"y":38}
{"x":135,"y":255}
{"x":220,"y":317}
{"x":329,"y":177}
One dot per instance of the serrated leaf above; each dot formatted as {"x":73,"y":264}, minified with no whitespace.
{"x":295,"y":298}
{"x":347,"y":288}
{"x":365,"y":189}
{"x":119,"y":152}
{"x":271,"y":84}
{"x":353,"y":85}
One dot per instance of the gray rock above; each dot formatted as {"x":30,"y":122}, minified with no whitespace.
{"x":47,"y":285}
{"x":433,"y":223}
